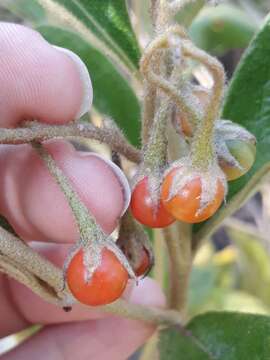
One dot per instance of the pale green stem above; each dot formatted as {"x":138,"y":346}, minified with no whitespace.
{"x":178,"y":240}
{"x":202,"y":145}
{"x":143,"y":313}
{"x":177,"y":6}
{"x":149,"y":108}
{"x":109,"y":135}
{"x":88,"y":228}
{"x":16,"y":250}
{"x":155,"y":155}
{"x":167,"y":86}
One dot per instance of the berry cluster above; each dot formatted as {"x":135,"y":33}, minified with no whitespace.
{"x":190,"y":188}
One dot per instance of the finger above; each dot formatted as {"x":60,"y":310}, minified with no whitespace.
{"x":33,"y":203}
{"x":38,"y":80}
{"x":33,"y":309}
{"x":114,"y":339}
{"x":11,"y":318}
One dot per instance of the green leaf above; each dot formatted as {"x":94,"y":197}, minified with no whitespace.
{"x":112,"y":94}
{"x":222,"y":28}
{"x":29,"y":9}
{"x":106,"y":21}
{"x":219,"y":336}
{"x":202,"y":282}
{"x":248,"y":104}
{"x":248,"y":100}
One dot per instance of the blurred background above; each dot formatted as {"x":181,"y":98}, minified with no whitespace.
{"x":232,"y":269}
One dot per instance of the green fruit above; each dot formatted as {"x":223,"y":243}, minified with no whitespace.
{"x":244,"y":153}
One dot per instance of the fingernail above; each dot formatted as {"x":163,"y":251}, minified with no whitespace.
{"x":122,"y":180}
{"x":85,"y":79}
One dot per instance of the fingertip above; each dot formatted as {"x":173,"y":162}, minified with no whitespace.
{"x":54,"y":85}
{"x":87,"y":98}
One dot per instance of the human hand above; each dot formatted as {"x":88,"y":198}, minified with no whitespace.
{"x":42,"y":82}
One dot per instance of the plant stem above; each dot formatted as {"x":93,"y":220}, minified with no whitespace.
{"x":148,"y":111}
{"x":155,"y":155}
{"x":14,"y":270}
{"x":150,"y":349}
{"x":202,"y":148}
{"x":16,"y":250}
{"x":88,"y":228}
{"x":177,"y":6}
{"x":109,"y":135}
{"x":180,"y":262}
{"x":151,"y":315}
{"x":167,"y":86}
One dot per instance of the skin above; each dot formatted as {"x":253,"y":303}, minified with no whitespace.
{"x":39,"y":213}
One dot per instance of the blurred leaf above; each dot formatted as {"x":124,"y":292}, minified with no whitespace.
{"x":112,"y":94}
{"x":26,"y":9}
{"x":219,"y":336}
{"x":107,"y":20}
{"x":254,"y":264}
{"x":222,"y":28}
{"x":241,"y":301}
{"x":248,"y":103}
{"x":201,"y":286}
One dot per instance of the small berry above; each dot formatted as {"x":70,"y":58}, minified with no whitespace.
{"x":244,"y":153}
{"x":144,"y":264}
{"x":185,"y":204}
{"x":106,"y":284}
{"x":145,"y":211}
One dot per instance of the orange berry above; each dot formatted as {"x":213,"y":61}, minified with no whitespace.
{"x":143,"y":209}
{"x":244,"y":153}
{"x":185,"y":204}
{"x":106,"y":284}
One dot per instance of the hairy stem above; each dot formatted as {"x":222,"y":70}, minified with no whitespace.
{"x":148,"y":111}
{"x":86,"y":223}
{"x":109,"y":135}
{"x":177,"y":6}
{"x":14,"y":270}
{"x":16,"y":250}
{"x":155,"y":155}
{"x":167,"y":86}
{"x":179,"y":250}
{"x":202,"y":145}
{"x":144,"y":313}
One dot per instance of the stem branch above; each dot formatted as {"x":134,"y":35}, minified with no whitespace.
{"x":109,"y":135}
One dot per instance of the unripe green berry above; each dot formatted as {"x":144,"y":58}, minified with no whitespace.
{"x":244,"y":153}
